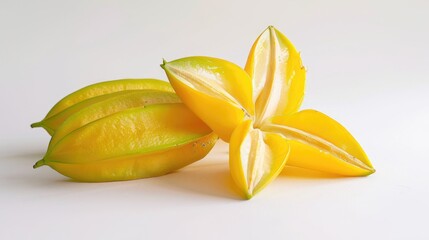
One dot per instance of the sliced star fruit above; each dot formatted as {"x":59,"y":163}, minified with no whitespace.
{"x":256,"y":157}
{"x":277,"y":74}
{"x":218,"y":91}
{"x":260,"y":106}
{"x":319,"y":142}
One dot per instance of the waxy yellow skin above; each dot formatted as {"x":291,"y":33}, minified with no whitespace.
{"x":140,"y":165}
{"x":272,"y":132}
{"x":135,"y":143}
{"x":223,"y":101}
{"x":104,"y":132}
{"x":94,"y":93}
{"x":118,"y":102}
{"x":319,"y":142}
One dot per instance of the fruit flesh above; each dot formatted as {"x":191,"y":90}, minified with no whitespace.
{"x":320,"y":143}
{"x":277,"y":84}
{"x":278,"y":76}
{"x":219,"y":92}
{"x":256,"y":157}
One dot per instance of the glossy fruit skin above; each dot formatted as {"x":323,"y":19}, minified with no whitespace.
{"x":140,"y":166}
{"x":270,"y":111}
{"x":94,"y":93}
{"x":320,"y":143}
{"x":107,"y":87}
{"x":135,"y":143}
{"x":112,"y":103}
{"x":222,"y":106}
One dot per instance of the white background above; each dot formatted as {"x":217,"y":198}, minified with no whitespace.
{"x":367,"y":67}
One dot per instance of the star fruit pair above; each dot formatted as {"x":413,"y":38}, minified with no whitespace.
{"x":255,"y":110}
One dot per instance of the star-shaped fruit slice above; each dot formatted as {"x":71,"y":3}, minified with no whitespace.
{"x":256,"y":110}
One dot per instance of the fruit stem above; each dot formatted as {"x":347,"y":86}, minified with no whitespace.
{"x":39,"y":163}
{"x":36,"y":124}
{"x":163,"y":63}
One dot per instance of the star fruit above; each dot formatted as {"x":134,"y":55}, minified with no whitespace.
{"x":123,"y":130}
{"x":255,"y":109}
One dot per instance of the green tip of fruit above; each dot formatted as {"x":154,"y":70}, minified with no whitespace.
{"x":248,"y":196}
{"x":163,"y":63}
{"x":36,"y":124}
{"x":271,"y":28}
{"x":39,"y":163}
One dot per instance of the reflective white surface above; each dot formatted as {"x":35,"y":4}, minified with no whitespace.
{"x":367,"y":68}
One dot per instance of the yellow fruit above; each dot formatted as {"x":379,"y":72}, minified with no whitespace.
{"x":320,"y":143}
{"x":218,"y":91}
{"x":269,"y":97}
{"x":256,"y":157}
{"x":92,"y":94}
{"x":120,"y":101}
{"x":130,"y":144}
{"x":278,"y":76}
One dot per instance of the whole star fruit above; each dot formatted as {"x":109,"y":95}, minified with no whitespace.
{"x":91,"y":94}
{"x":134,"y":143}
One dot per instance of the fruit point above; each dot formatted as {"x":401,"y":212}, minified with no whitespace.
{"x":39,"y":163}
{"x":163,"y":63}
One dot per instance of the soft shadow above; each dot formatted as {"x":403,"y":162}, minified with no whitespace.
{"x":36,"y":182}
{"x":301,"y":173}
{"x":210,"y":180}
